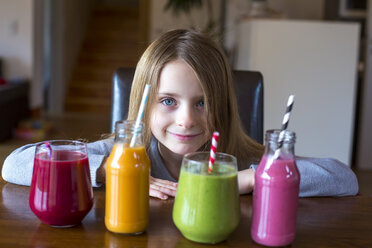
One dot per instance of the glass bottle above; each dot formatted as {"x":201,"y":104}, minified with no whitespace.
{"x":275,"y":194}
{"x":127,"y":181}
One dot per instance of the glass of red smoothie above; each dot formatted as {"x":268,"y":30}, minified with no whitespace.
{"x":61,"y":193}
{"x":206,"y":207}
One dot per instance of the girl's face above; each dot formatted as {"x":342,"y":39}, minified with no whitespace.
{"x":178,"y":119}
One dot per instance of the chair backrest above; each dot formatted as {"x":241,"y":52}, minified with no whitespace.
{"x":248,"y":88}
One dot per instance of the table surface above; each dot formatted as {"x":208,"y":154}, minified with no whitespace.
{"x":321,"y":222}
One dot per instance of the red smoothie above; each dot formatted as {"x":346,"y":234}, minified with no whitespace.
{"x":61,"y":191}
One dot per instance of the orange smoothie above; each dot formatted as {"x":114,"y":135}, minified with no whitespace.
{"x":127,"y":189}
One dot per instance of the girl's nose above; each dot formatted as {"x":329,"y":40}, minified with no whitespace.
{"x":185,"y":118}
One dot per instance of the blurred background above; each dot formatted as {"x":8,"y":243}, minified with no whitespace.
{"x":57,"y":58}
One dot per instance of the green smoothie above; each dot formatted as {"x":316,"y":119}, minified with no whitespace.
{"x":206,"y":207}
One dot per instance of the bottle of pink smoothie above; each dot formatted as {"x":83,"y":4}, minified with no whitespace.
{"x":275,"y":192}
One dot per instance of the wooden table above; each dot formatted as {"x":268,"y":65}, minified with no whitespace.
{"x":322,"y":222}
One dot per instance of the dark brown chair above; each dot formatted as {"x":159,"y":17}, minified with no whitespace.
{"x":248,"y":88}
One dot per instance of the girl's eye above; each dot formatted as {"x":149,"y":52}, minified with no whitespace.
{"x":168,"y":102}
{"x":200,"y":103}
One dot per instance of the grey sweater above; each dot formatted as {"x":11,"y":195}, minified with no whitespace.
{"x":319,"y":177}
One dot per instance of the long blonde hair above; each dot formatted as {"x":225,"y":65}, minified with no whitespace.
{"x":214,"y":73}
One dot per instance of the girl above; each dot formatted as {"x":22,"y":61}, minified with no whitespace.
{"x":191,"y":96}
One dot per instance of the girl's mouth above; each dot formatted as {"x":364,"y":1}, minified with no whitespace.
{"x":184,"y":137}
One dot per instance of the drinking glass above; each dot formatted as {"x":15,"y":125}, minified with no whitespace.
{"x":206,"y":207}
{"x":61,"y":193}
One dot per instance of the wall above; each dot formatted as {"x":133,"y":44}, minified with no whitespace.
{"x":16,"y":40}
{"x":299,"y":9}
{"x":17,"y":32}
{"x":161,"y":21}
{"x":21,"y":41}
{"x":69,"y":20}
{"x":236,"y":10}
{"x":59,"y":33}
{"x":77,"y":14}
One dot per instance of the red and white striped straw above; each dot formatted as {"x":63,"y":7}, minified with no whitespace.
{"x":212,"y":156}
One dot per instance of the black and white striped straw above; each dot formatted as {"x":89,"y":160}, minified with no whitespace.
{"x":288,"y":112}
{"x":284,"y":124}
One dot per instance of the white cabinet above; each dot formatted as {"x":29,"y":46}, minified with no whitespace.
{"x":316,"y":61}
{"x":364,"y":144}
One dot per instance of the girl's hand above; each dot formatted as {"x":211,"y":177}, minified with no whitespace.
{"x":246,"y":181}
{"x":101,"y":172}
{"x":162,"y":189}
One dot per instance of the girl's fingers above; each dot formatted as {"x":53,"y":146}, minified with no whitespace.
{"x":163,"y":183}
{"x":153,"y":179}
{"x":163,"y":190}
{"x":168,"y":186}
{"x":158,"y":194}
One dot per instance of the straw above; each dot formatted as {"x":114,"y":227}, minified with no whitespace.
{"x":212,"y":155}
{"x":47,"y":144}
{"x":140,"y":112}
{"x":284,"y":125}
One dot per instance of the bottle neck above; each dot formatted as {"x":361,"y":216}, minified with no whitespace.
{"x":127,"y":132}
{"x":283,"y":140}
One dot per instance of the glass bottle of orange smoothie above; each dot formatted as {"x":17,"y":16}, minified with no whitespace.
{"x":127,"y":181}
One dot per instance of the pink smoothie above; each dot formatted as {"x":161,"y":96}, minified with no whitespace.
{"x":275,"y":201}
{"x":61,"y":191}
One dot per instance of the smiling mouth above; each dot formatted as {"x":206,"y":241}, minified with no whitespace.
{"x":184,"y":137}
